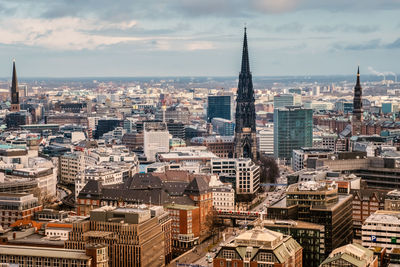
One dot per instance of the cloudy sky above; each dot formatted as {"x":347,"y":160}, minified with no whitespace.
{"x":86,"y":38}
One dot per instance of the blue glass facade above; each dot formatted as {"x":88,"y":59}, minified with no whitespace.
{"x":293,"y":129}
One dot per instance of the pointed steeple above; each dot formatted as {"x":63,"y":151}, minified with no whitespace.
{"x":357,"y":88}
{"x":357,"y":106}
{"x":14,"y":90}
{"x":245,"y":118}
{"x":245,"y":55}
{"x":14,"y":84}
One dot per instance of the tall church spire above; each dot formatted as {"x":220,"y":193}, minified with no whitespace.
{"x":245,"y":128}
{"x":245,"y":55}
{"x":357,"y":107}
{"x":14,"y":90}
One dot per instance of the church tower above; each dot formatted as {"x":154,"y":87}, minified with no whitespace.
{"x":357,"y":107}
{"x":15,"y":107}
{"x":245,"y":129}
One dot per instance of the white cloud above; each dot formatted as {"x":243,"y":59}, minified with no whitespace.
{"x":62,"y":33}
{"x":202,"y":45}
{"x":70,"y":33}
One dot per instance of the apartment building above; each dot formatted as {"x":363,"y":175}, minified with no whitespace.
{"x":223,"y":198}
{"x":70,"y":165}
{"x":381,"y":229}
{"x":243,"y":173}
{"x":185,"y":227}
{"x":17,"y":206}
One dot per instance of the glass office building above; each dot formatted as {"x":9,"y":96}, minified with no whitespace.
{"x":293,"y":129}
{"x":220,"y":106}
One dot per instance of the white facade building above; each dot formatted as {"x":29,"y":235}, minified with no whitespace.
{"x":223,"y":198}
{"x":265,"y":140}
{"x":70,"y":165}
{"x":245,"y":172}
{"x":109,"y":173}
{"x":300,"y":156}
{"x":57,"y":233}
{"x":382,"y":229}
{"x":156,"y":139}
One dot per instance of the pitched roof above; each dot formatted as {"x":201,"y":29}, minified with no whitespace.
{"x":143,"y":181}
{"x":92,"y":187}
{"x":197,"y":186}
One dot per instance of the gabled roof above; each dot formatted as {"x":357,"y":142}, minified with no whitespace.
{"x":93,"y":187}
{"x":143,"y":181}
{"x":197,"y":186}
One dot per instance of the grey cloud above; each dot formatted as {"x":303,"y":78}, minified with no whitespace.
{"x":372,"y":44}
{"x":290,"y":27}
{"x":394,"y":45}
{"x":118,"y":10}
{"x":346,"y":28}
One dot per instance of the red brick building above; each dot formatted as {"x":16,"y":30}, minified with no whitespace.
{"x":185,"y":227}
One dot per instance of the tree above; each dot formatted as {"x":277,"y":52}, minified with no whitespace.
{"x":43,"y":197}
{"x":269,"y":169}
{"x":213,"y":224}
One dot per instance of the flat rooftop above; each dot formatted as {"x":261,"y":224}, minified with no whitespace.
{"x":43,"y":252}
{"x":292,"y":224}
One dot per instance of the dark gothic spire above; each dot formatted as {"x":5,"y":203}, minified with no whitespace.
{"x":14,"y":86}
{"x":245,"y":128}
{"x":245,"y":55}
{"x":357,"y":107}
{"x":357,"y":88}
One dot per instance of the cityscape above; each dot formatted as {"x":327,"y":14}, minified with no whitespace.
{"x":171,"y":166}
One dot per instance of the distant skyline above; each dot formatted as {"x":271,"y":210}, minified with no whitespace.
{"x":124,"y":38}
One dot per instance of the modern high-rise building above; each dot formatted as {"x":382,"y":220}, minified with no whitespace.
{"x":245,"y":129}
{"x":357,"y":107}
{"x":219,"y":106}
{"x":319,"y":203}
{"x":293,"y":129}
